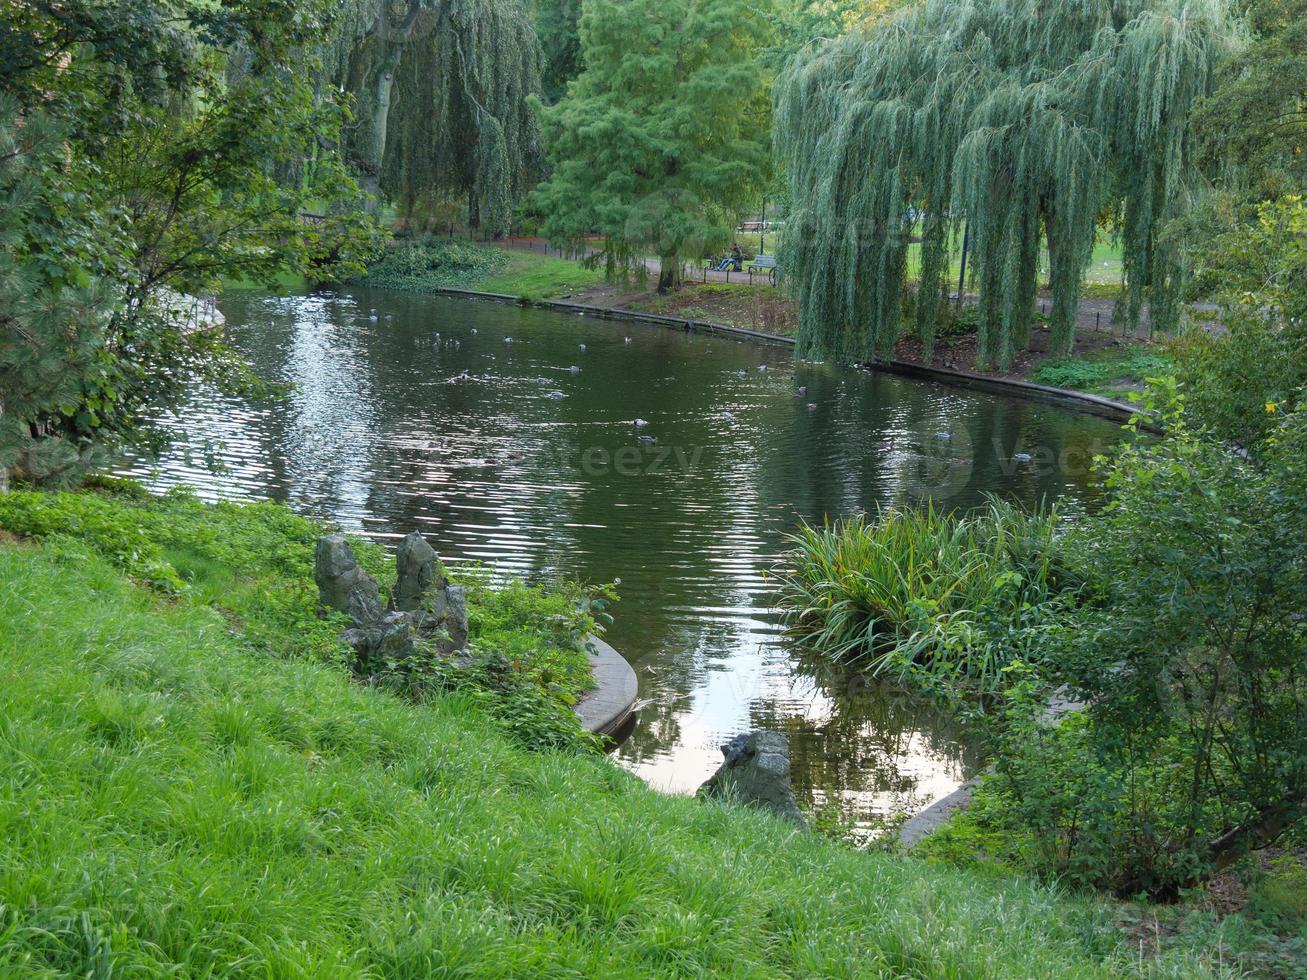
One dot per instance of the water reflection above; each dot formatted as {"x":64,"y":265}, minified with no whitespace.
{"x":433,"y":421}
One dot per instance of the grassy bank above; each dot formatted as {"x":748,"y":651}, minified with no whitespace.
{"x":253,"y":565}
{"x":1109,"y":371}
{"x":536,"y":276}
{"x":181,"y":795}
{"x":456,"y":264}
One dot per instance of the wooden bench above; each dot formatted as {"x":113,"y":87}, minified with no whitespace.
{"x":763,"y":265}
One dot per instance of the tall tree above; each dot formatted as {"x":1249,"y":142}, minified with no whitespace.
{"x":1027,"y":121}
{"x":441,"y":94}
{"x":558,"y":23}
{"x":1253,"y":128}
{"x":663,"y":139}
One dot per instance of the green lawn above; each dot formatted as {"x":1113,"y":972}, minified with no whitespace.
{"x":286,"y":281}
{"x":538,"y":276}
{"x":1100,"y":279}
{"x":178,"y":798}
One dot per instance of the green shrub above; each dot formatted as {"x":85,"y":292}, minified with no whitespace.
{"x":1088,"y":374}
{"x":1192,"y":749}
{"x":923,"y":594}
{"x":1238,"y":380}
{"x":423,"y":267}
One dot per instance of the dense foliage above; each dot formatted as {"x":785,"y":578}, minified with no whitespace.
{"x":1190,"y":644}
{"x":1193,"y":747}
{"x":558,"y":27}
{"x":944,"y":599}
{"x":419,"y":266}
{"x":1240,"y":381}
{"x":1028,"y":124}
{"x":440,"y":92}
{"x":144,"y":146}
{"x":1253,"y":128}
{"x":662,"y":140}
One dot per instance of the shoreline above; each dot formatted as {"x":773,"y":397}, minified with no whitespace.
{"x":1066,"y":397}
{"x":608,"y":709}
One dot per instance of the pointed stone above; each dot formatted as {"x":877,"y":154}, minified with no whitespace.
{"x":416,"y":562}
{"x":456,"y":616}
{"x":342,"y":585}
{"x":756,"y":771}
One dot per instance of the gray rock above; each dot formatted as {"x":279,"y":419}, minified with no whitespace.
{"x":418,"y":575}
{"x":756,"y":771}
{"x":389,"y":641}
{"x":427,"y":618}
{"x":342,"y":584}
{"x":455,"y":615}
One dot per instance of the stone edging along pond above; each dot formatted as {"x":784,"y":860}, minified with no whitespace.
{"x":609,"y":708}
{"x":1079,"y":400}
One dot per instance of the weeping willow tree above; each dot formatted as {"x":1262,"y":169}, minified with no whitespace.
{"x":440,"y":90}
{"x":1028,"y":122}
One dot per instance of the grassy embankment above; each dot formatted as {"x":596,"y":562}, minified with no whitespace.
{"x":190,"y":785}
{"x":458,"y":264}
{"x":1110,"y":371}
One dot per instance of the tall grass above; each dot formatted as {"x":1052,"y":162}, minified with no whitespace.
{"x":903,"y":591}
{"x":175,"y":803}
{"x":254,"y":564}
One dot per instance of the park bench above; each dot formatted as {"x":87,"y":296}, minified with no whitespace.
{"x":763,"y":265}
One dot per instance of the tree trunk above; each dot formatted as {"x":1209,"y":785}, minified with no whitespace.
{"x":669,"y":273}
{"x":388,"y":42}
{"x":376,"y":152}
{"x":1261,"y":831}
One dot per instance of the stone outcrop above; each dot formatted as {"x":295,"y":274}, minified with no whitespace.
{"x":426,"y":616}
{"x":756,"y":771}
{"x":342,"y":584}
{"x":416,"y":562}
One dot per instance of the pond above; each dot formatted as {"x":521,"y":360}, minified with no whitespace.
{"x":526,"y":454}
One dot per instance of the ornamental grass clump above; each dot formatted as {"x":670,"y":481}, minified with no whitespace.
{"x":920,"y":593}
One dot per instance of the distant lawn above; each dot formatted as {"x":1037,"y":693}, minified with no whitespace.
{"x":286,"y":281}
{"x":1104,"y":268}
{"x":539,"y":276}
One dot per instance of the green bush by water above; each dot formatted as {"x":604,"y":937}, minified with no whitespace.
{"x":1105,"y":371}
{"x":919,"y":591}
{"x":438,"y":264}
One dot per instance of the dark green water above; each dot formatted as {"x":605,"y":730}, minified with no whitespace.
{"x":431,"y":420}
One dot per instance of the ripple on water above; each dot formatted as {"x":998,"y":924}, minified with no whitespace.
{"x":430,"y":421}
